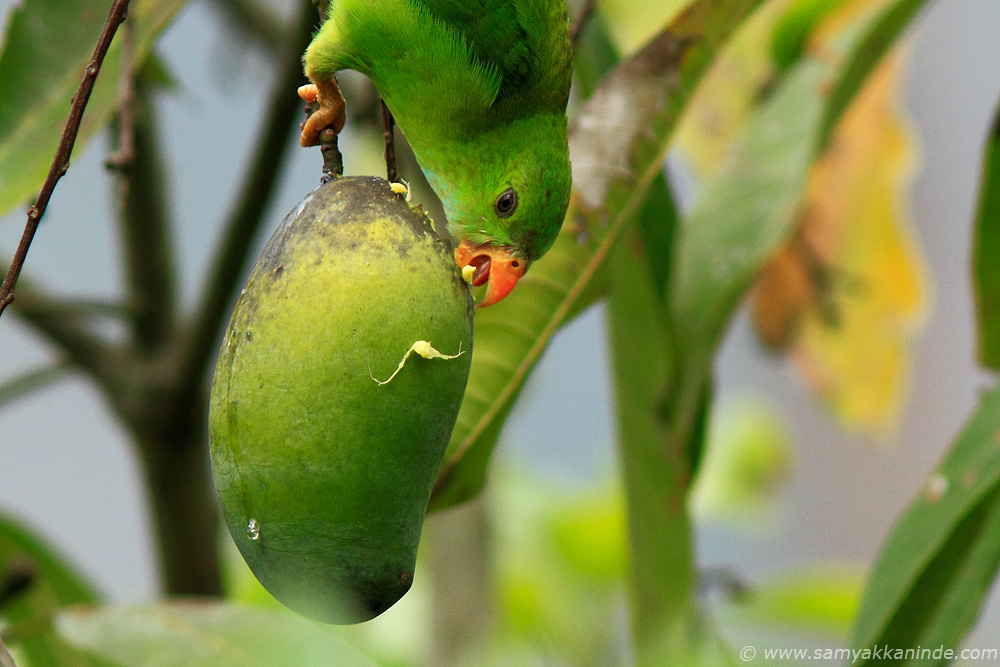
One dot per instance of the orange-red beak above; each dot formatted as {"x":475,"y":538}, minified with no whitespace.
{"x":494,"y":266}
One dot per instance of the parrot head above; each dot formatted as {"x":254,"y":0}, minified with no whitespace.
{"x":506,"y":203}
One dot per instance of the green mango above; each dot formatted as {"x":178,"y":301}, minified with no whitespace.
{"x":323,"y":469}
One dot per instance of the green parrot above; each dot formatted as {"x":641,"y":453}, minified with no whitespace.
{"x":480,"y":88}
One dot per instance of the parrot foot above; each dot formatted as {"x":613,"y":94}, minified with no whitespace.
{"x":331,"y":112}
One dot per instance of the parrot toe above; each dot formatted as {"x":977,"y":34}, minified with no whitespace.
{"x":331,"y":112}
{"x":308,"y":93}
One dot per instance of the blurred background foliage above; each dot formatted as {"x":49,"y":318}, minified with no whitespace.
{"x":790,"y":165}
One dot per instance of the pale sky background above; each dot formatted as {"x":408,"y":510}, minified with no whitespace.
{"x":66,"y":467}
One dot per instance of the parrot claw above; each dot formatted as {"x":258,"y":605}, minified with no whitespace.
{"x":331,"y":112}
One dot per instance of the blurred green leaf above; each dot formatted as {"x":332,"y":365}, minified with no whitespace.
{"x":559,"y":564}
{"x":986,"y":253}
{"x":657,"y":228}
{"x":658,"y":459}
{"x":204,"y":634}
{"x":747,"y":209}
{"x":790,"y":34}
{"x":593,"y":56}
{"x":891,"y":20}
{"x":655,"y":464}
{"x":821,"y":599}
{"x":589,"y":534}
{"x":940,"y":559}
{"x":36,"y":581}
{"x":748,"y":459}
{"x":617,"y":143}
{"x":45,"y":50}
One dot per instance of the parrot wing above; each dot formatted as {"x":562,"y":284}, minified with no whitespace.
{"x":526,"y":41}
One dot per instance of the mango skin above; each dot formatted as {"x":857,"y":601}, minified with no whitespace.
{"x":336,"y":470}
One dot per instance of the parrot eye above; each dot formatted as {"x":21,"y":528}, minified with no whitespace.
{"x":506,"y":203}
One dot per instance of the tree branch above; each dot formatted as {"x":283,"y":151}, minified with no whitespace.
{"x":60,"y":162}
{"x":145,"y":223}
{"x":251,"y":205}
{"x":21,"y":385}
{"x":62,"y":328}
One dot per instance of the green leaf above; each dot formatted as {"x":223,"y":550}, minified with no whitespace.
{"x":204,"y":634}
{"x":657,"y":228}
{"x":747,"y":462}
{"x":789,"y":37}
{"x":593,"y":56}
{"x":880,"y":34}
{"x":655,"y":465}
{"x":986,"y":251}
{"x":37,"y":582}
{"x":748,"y":208}
{"x":45,"y":51}
{"x":617,"y":144}
{"x":938,"y":563}
{"x":819,"y":600}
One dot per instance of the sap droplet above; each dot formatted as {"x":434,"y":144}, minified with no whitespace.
{"x":253,"y":529}
{"x":937,"y":486}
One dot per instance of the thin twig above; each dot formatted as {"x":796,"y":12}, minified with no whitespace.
{"x":333,"y":159}
{"x":388,"y":124}
{"x":251,"y":206}
{"x":582,"y":18}
{"x":60,"y":162}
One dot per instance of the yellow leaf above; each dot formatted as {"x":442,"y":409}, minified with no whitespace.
{"x":745,"y":69}
{"x":730,"y":87}
{"x":632,"y":23}
{"x":847,"y":296}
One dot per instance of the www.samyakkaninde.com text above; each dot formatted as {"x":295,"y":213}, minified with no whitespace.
{"x":883,"y":652}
